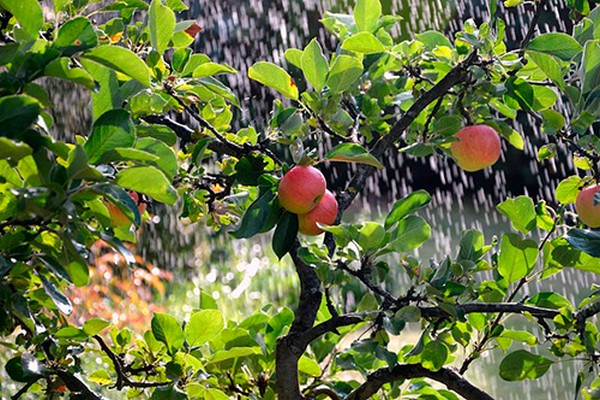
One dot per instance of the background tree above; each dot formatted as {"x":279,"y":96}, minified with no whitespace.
{"x":374,"y":95}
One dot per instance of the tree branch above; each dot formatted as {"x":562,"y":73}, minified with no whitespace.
{"x":456,"y":75}
{"x":122,"y":378}
{"x":512,"y":308}
{"x":77,"y":386}
{"x":230,"y":148}
{"x":330,"y":325}
{"x":532,"y":26}
{"x":25,"y":388}
{"x":290,"y":348}
{"x":323,"y":390}
{"x":446,"y":376}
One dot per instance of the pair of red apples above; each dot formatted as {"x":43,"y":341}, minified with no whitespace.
{"x":303,"y":190}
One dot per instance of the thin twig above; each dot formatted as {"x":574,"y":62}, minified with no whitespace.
{"x":532,"y":26}
{"x":25,"y":388}
{"x":122,"y":379}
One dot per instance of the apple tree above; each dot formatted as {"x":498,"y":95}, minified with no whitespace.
{"x":376,"y":94}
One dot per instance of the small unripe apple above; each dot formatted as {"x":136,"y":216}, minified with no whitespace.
{"x":588,"y":213}
{"x":301,"y":188}
{"x":478,"y":147}
{"x":325,"y":213}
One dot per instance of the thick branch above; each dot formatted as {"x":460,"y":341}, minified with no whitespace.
{"x":330,"y":325}
{"x":582,"y":316}
{"x":289,"y":347}
{"x":446,"y":376}
{"x":77,"y":386}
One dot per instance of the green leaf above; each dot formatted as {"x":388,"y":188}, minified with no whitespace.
{"x":520,"y":211}
{"x":294,"y":57}
{"x":166,"y":330}
{"x":343,"y":73}
{"x":10,"y":149}
{"x":521,"y":364}
{"x":72,"y":333}
{"x":314,"y":65}
{"x":149,"y":181}
{"x":549,"y":66}
{"x":553,"y":121}
{"x":543,"y":97}
{"x":94,"y":326}
{"x":585,"y":240}
{"x":74,"y":36}
{"x":520,"y":336}
{"x":550,"y":300}
{"x":308,"y":366}
{"x":366,"y":14}
{"x":101,"y":377}
{"x":215,"y":394}
{"x":29,"y":14}
{"x":407,"y":205}
{"x":61,"y":68}
{"x":122,"y":60}
{"x":568,"y":189}
{"x":410,"y":233}
{"x":517,"y":257}
{"x":434,"y":355}
{"x":352,"y":153}
{"x":61,"y":301}
{"x":285,"y":234}
{"x":160,"y":132}
{"x":22,"y":368}
{"x":17,"y":113}
{"x":236,"y":352}
{"x":433,"y":39}
{"x":161,"y":23}
{"x":177,"y":5}
{"x":78,"y":166}
{"x":472,"y":245}
{"x":164,"y":157}
{"x":363,"y":42}
{"x":521,"y":91}
{"x":257,"y":216}
{"x":126,"y":154}
{"x":590,"y":66}
{"x":203,"y":326}
{"x":113,"y":129}
{"x":211,"y":68}
{"x":546,"y":152}
{"x":274,"y":77}
{"x":560,"y":45}
{"x":371,"y":236}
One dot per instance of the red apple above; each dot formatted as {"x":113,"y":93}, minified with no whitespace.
{"x":588,"y":213}
{"x":325,"y":213}
{"x":301,"y":188}
{"x":478,"y":147}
